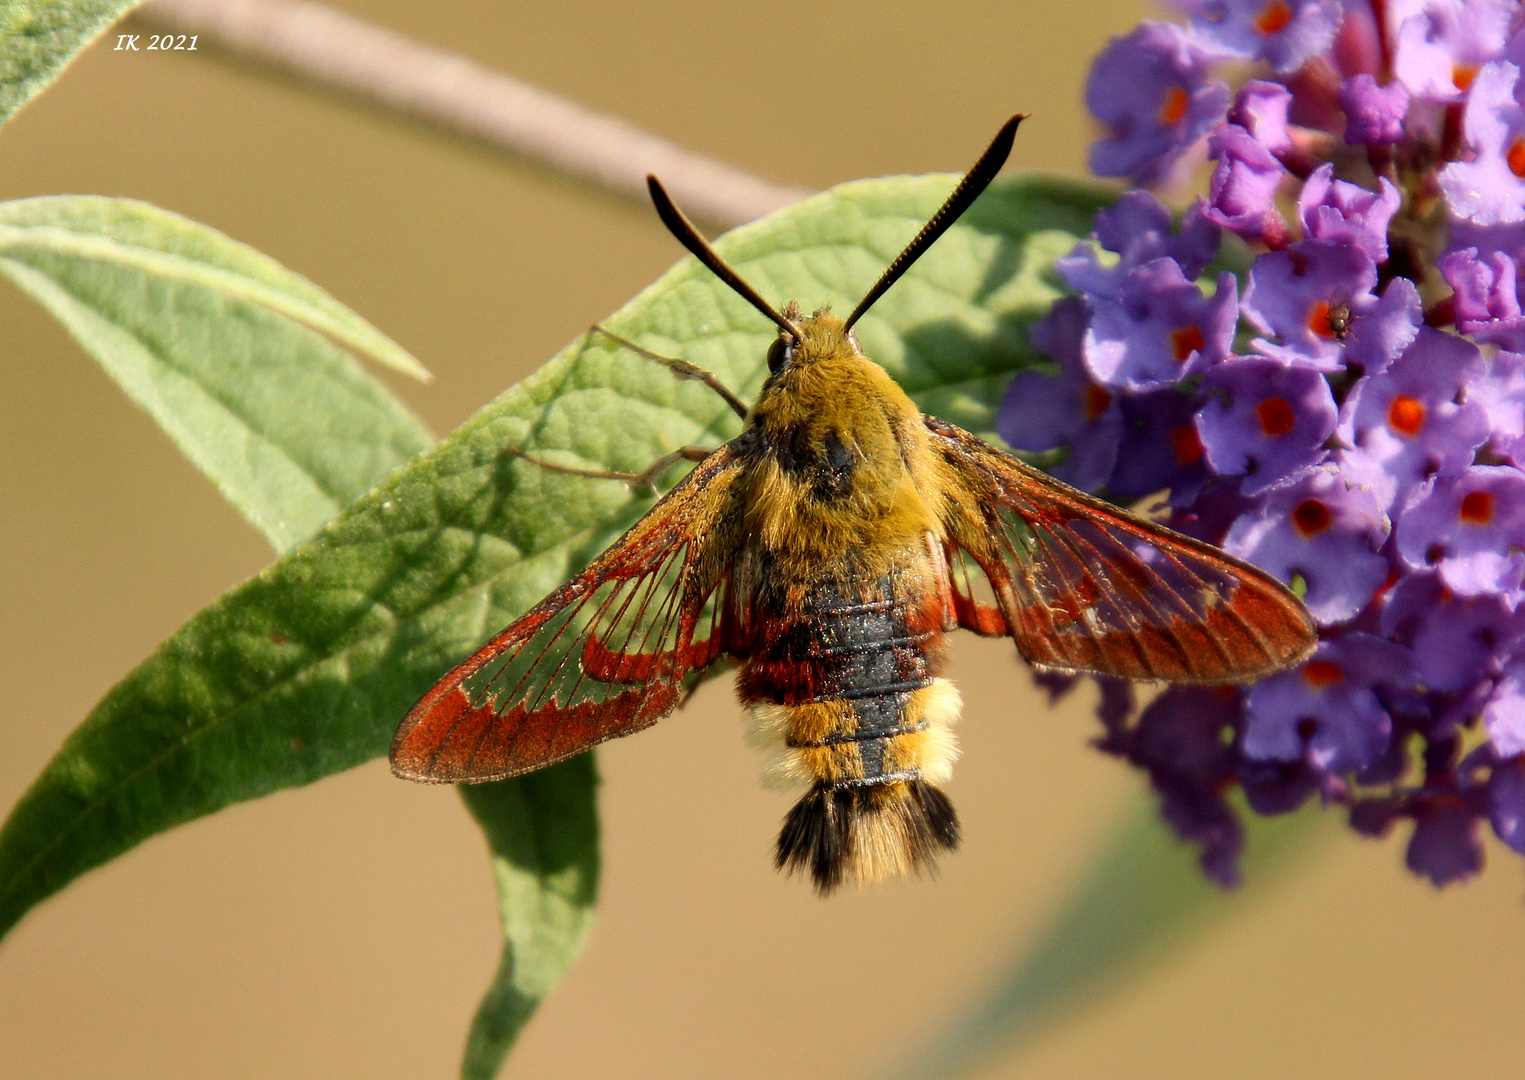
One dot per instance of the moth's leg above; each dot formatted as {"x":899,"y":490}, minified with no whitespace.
{"x":647,"y":477}
{"x":681,"y":368}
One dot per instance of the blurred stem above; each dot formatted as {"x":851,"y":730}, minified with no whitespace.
{"x":359,"y":60}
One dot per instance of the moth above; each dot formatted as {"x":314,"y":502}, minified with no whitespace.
{"x":828,"y":550}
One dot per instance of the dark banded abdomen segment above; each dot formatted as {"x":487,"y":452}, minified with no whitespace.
{"x":846,"y":689}
{"x":845,"y":695}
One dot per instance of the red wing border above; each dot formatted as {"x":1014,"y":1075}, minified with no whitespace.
{"x":1082,"y":586}
{"x":602,"y":656}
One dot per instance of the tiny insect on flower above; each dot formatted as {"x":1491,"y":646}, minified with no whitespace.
{"x":829,"y":549}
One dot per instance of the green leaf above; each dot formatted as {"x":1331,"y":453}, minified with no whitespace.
{"x":542,"y":830}
{"x":1144,"y":894}
{"x":307,"y":669}
{"x":39,"y":37}
{"x":246,"y":365}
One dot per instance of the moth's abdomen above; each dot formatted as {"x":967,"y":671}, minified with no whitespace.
{"x":900,"y":737}
{"x":845,"y":698}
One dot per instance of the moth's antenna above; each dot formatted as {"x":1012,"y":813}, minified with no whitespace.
{"x":975,"y":181}
{"x":689,"y":237}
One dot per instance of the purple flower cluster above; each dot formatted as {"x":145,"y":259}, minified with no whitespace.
{"x":1347,"y":412}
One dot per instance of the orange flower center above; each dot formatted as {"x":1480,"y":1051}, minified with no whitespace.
{"x":1096,"y":401}
{"x":1321,"y":674}
{"x":1477,"y":508}
{"x":1516,"y":157}
{"x":1273,"y":17}
{"x":1463,"y":74}
{"x":1173,"y":108}
{"x":1188,"y":448}
{"x":1405,"y":415}
{"x":1319,"y":322}
{"x":1311,"y":517}
{"x":1275,"y":416}
{"x":1186,"y":341}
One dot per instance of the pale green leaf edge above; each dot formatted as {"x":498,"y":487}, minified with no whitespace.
{"x":208,"y":416}
{"x":39,"y":38}
{"x":105,"y":232}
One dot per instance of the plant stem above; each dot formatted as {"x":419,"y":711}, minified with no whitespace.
{"x":360,"y":60}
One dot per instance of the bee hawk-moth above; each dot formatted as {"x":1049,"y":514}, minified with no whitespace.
{"x":828,"y":550}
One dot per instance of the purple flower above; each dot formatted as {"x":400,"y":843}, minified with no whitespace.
{"x":1329,"y":709}
{"x":1160,"y":447}
{"x":1363,"y":472}
{"x":1264,"y":420}
{"x":1508,"y":238}
{"x":1456,"y":640}
{"x":1343,"y":213}
{"x":1504,"y":715}
{"x":1373,"y":114}
{"x":1490,"y":189}
{"x":1500,"y":391}
{"x":1440,"y":49}
{"x":1152,"y":92}
{"x":1304,"y":296}
{"x":1408,"y":419}
{"x":1506,"y":796}
{"x":1242,"y":192}
{"x":1179,"y":742}
{"x":1042,"y":411}
{"x":1160,"y":328}
{"x":1487,"y":302}
{"x":1441,"y":715}
{"x":1261,"y":109}
{"x":1378,"y":330}
{"x":1470,"y":528}
{"x":1283,"y":33}
{"x":1365,"y":456}
{"x":1137,"y":228}
{"x":1444,"y":847}
{"x":1279,"y":787}
{"x":1212,"y":512}
{"x":1323,"y":533}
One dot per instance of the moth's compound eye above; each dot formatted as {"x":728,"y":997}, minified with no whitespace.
{"x":780,"y":353}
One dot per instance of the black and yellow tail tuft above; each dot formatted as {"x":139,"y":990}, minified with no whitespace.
{"x":863,"y":833}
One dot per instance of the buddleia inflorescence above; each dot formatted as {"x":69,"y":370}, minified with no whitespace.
{"x":1349,"y":413}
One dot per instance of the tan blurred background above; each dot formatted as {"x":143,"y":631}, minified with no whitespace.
{"x":284,"y":937}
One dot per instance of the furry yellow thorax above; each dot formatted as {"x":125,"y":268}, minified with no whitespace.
{"x":849,"y":459}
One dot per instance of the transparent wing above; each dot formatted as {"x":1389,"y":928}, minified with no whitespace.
{"x":1082,"y":586}
{"x":602,"y":656}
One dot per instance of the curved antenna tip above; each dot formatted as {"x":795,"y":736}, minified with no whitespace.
{"x":975,"y":181}
{"x":690,"y":238}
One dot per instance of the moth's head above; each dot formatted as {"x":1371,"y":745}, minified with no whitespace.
{"x":823,"y":335}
